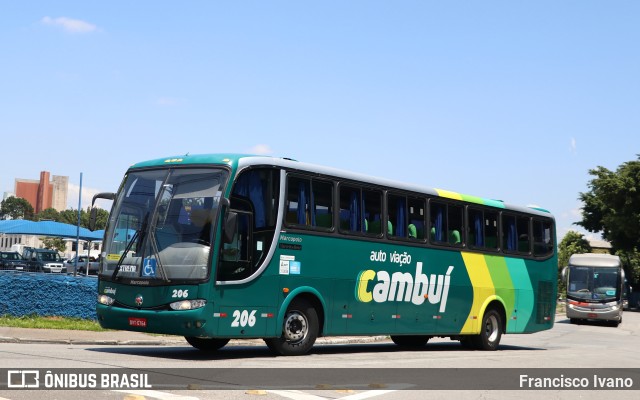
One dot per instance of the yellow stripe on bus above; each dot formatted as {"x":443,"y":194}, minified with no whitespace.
{"x":449,"y":195}
{"x":483,"y":288}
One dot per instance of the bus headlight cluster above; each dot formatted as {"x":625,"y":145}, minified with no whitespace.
{"x":613,"y":305}
{"x":106,"y":300}
{"x":187,"y":304}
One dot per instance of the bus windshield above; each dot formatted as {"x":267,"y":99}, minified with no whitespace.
{"x":592,"y":283}
{"x":161,"y":224}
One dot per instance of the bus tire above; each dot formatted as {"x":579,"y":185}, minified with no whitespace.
{"x":410,"y":340}
{"x":208,"y":345}
{"x":490,"y":331}
{"x":299,"y":330}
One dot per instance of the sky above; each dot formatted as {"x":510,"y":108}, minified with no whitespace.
{"x":506,"y":100}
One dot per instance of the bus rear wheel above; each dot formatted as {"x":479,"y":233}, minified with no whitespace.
{"x":299,"y":330}
{"x":410,"y":340}
{"x":490,"y":331}
{"x":206,"y":344}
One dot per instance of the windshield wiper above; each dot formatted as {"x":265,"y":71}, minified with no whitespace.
{"x":138,"y":236}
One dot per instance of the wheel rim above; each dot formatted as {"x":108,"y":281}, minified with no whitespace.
{"x":491,"y":328}
{"x":295,"y":327}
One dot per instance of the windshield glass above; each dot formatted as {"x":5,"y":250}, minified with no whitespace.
{"x":11,"y":256}
{"x":160,"y":227}
{"x":590,"y":283}
{"x":49,"y":257}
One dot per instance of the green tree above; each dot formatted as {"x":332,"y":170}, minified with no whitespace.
{"x":612,"y":205}
{"x":50,"y":214}
{"x":631,"y":262}
{"x":55,"y":243}
{"x":572,"y":243}
{"x":16,"y":208}
{"x":71,"y":217}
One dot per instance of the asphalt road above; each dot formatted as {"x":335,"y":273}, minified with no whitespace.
{"x":590,"y":346}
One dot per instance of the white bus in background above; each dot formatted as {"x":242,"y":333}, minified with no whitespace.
{"x":594,"y":288}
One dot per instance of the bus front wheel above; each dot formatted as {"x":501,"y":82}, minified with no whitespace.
{"x":206,"y":344}
{"x":299,"y":330}
{"x":490,"y":331}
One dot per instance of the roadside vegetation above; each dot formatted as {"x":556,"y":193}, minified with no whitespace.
{"x":39,"y":322}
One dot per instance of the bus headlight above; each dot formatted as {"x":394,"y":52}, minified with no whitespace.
{"x":187,"y":304}
{"x":106,"y":300}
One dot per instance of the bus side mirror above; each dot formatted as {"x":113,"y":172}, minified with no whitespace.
{"x":92,"y":219}
{"x":94,"y":211}
{"x":230,"y":226}
{"x":564,"y":274}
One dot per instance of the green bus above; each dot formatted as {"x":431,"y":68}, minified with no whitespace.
{"x":222,"y":246}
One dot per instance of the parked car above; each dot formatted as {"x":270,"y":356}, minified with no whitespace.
{"x":93,"y":267}
{"x":12,"y":260}
{"x":43,"y":260}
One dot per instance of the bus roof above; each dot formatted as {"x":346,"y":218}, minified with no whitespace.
{"x":238,"y":162}
{"x":594,"y":260}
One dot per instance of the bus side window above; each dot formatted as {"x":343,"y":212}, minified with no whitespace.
{"x":360,"y":210}
{"x":372,"y":206}
{"x":351,"y":219}
{"x":542,"y":237}
{"x":309,"y":203}
{"x":524,"y":239}
{"x":446,"y":223}
{"x":509,"y":233}
{"x":482,"y":229}
{"x":298,"y":201}
{"x":454,"y":224}
{"x":438,"y":222}
{"x":415,"y":228}
{"x":515,"y":234}
{"x":322,"y":208}
{"x":396,"y":213}
{"x":491,"y":230}
{"x":405,"y":217}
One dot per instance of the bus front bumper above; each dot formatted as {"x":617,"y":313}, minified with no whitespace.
{"x":599,"y":312}
{"x":181,"y":323}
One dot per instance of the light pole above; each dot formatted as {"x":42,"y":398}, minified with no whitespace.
{"x":75,"y":264}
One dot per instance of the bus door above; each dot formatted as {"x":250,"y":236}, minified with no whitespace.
{"x":246,"y":307}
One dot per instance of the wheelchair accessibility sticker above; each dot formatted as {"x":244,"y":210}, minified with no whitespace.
{"x":149,"y":267}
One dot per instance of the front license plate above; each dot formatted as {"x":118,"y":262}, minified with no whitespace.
{"x":591,"y":315}
{"x":138,"y":322}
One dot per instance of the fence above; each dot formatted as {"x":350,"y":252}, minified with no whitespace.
{"x":47,"y":295}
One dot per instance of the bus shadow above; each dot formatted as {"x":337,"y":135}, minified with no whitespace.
{"x":262,"y":352}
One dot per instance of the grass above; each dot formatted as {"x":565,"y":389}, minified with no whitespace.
{"x":38,"y":322}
